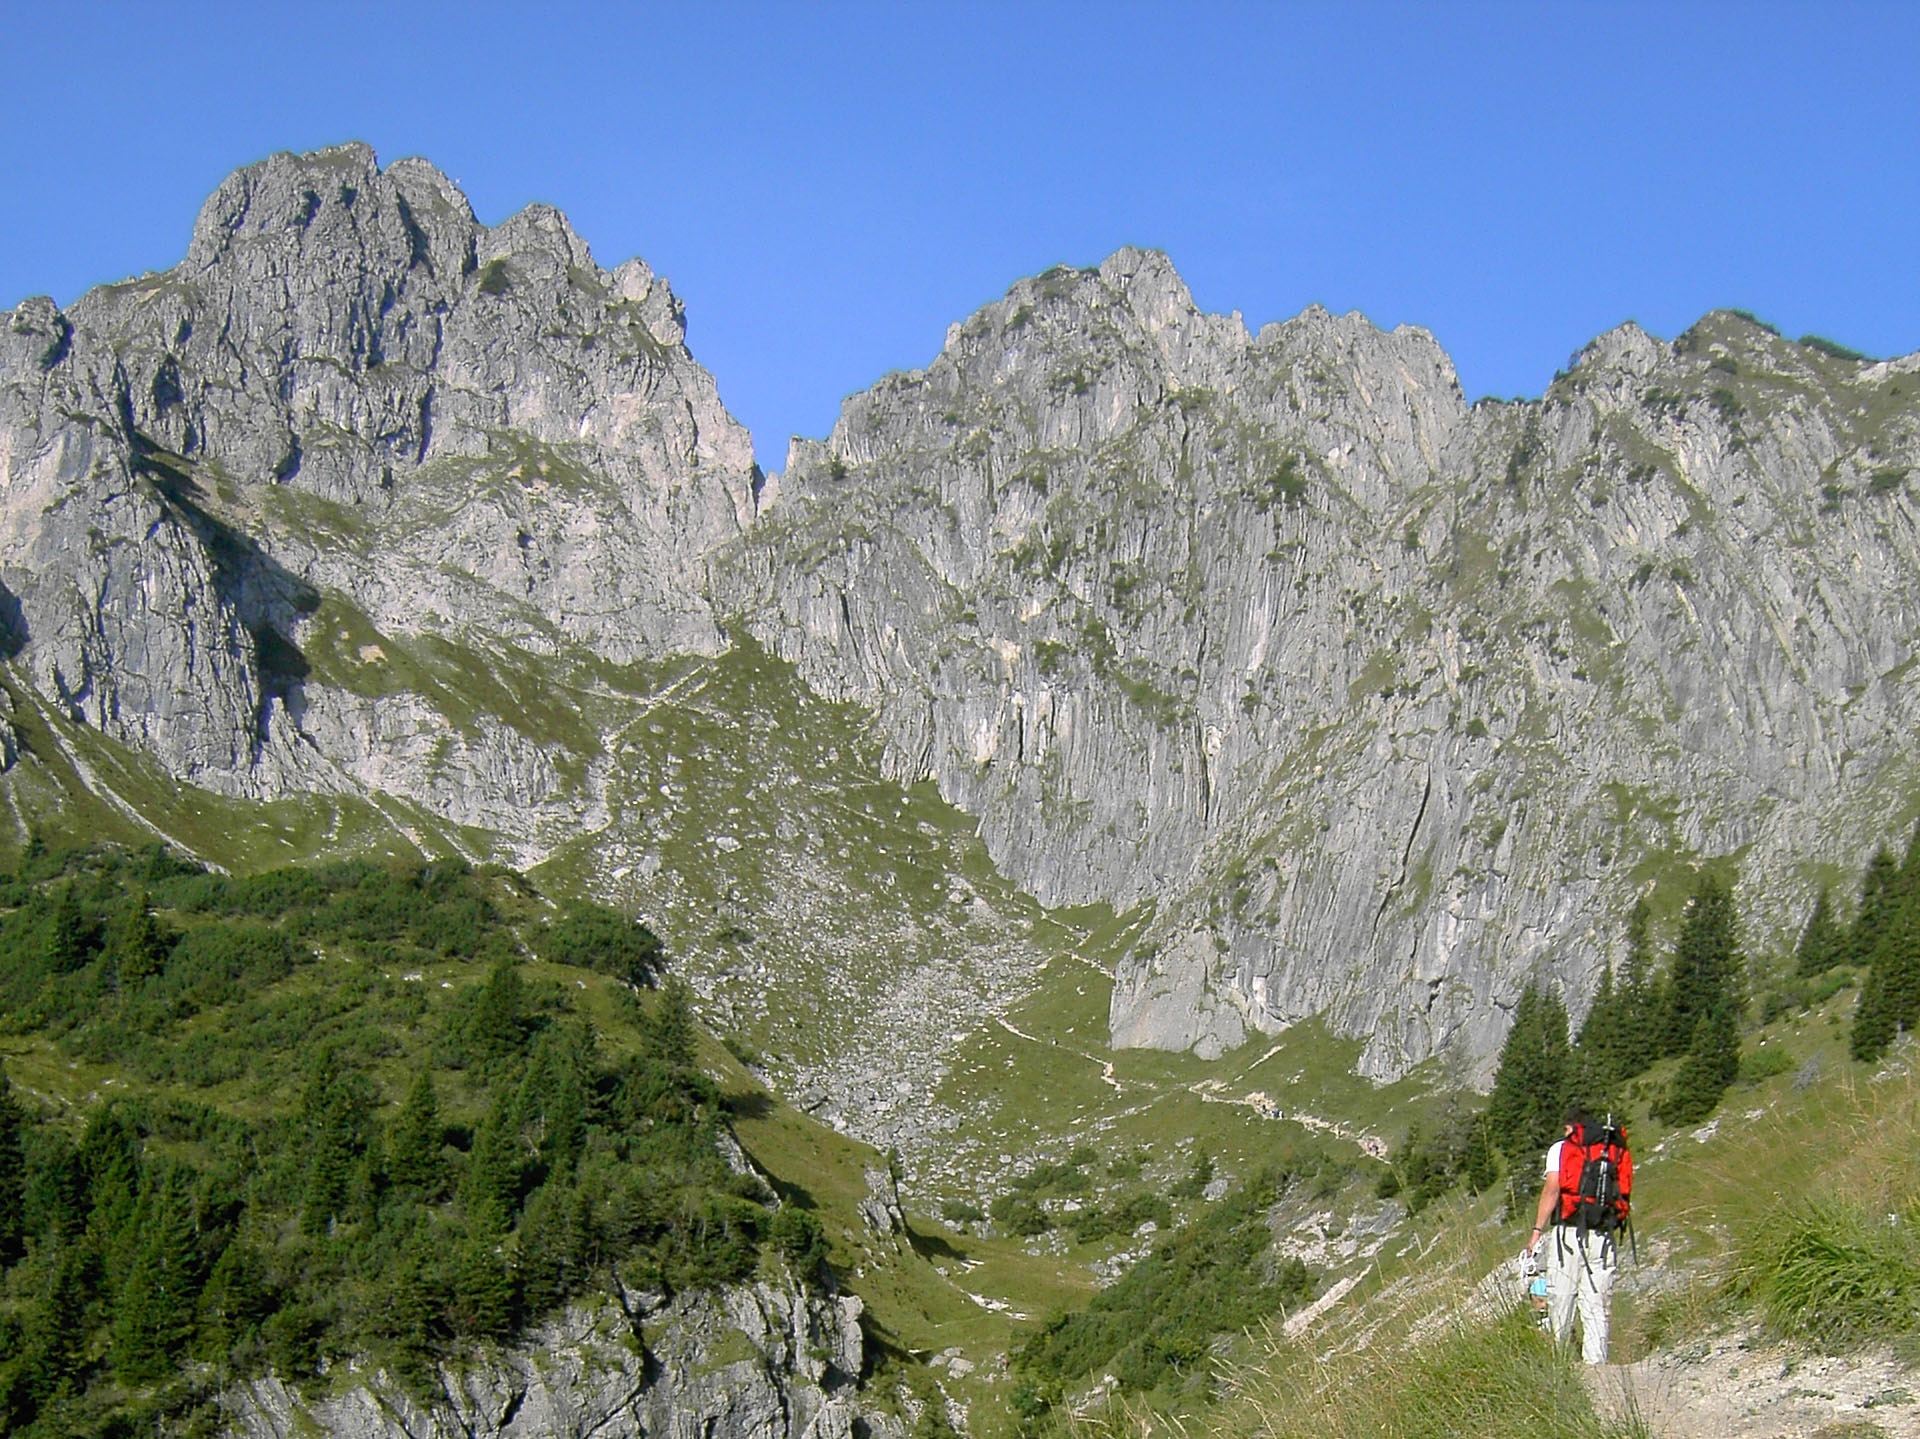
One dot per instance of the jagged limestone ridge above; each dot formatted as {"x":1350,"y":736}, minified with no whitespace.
{"x":1387,"y":702}
{"x":350,"y":388}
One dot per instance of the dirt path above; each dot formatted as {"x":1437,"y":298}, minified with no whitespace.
{"x":1742,"y":1386}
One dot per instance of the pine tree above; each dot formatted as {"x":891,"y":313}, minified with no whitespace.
{"x":1890,"y":994}
{"x":1706,"y":965}
{"x":492,"y":1187}
{"x":13,"y":1174}
{"x":332,"y":1114}
{"x":71,"y":937}
{"x":414,"y":1147}
{"x":154,"y":1310}
{"x":141,"y":948}
{"x":1879,"y":891}
{"x":672,"y":1029}
{"x":1531,"y":1083}
{"x":1640,"y":997}
{"x":1822,"y":941}
{"x":1712,"y":1062}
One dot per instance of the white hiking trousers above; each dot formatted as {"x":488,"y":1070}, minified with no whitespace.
{"x":1580,"y":1275}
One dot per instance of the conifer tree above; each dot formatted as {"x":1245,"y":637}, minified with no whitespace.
{"x":70,"y":939}
{"x":1712,"y":1062}
{"x":1530,"y":1085}
{"x":554,"y":1099}
{"x":1640,"y":997}
{"x":492,"y":1187}
{"x":54,"y":1204}
{"x":52,"y":1347}
{"x":1822,"y":941}
{"x":1481,"y":1163}
{"x":141,"y":949}
{"x":1706,"y":964}
{"x":481,"y":1303}
{"x":1879,"y":892}
{"x":154,"y":1310}
{"x":672,"y":1029}
{"x":553,"y":1236}
{"x":497,"y":1025}
{"x":1890,"y":994}
{"x":332,"y":1111}
{"x":111,"y":1159}
{"x":13,"y":1173}
{"x":235,"y":1300}
{"x":1601,"y":1059}
{"x":414,"y":1148}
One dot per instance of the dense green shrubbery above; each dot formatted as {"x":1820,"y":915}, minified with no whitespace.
{"x":1155,"y":1327}
{"x":325,"y":1219}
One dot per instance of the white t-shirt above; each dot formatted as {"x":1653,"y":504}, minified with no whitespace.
{"x":1553,"y":1156}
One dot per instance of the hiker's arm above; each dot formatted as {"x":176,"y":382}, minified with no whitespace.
{"x":1543,"y":1212}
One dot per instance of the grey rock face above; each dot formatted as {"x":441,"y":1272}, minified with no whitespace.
{"x":350,"y":387}
{"x":1386,"y":702}
{"x":750,"y":1362}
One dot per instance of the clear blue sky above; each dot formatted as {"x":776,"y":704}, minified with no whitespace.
{"x":829,"y":185}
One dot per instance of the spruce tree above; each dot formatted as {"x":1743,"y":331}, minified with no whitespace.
{"x":1481,"y":1163}
{"x":70,"y":938}
{"x":1706,"y":964}
{"x":332,"y":1113}
{"x":235,"y":1300}
{"x":13,"y":1174}
{"x":140,"y":948}
{"x":492,"y":1187}
{"x":414,"y":1147}
{"x":1531,"y":1083}
{"x":1879,"y":895}
{"x":672,"y":1029}
{"x":1711,"y":1064}
{"x":1822,"y":941}
{"x":480,"y":1305}
{"x":154,"y":1310}
{"x":496,"y":1025}
{"x":1640,"y":997}
{"x":1601,"y":1060}
{"x":1890,"y":993}
{"x":554,"y":1095}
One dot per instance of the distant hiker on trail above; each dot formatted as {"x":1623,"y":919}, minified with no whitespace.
{"x":1583,"y":1204}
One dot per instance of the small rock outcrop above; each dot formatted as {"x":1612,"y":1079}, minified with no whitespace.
{"x":750,"y":1362}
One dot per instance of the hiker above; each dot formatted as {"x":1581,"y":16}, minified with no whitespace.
{"x":1580,"y":1210}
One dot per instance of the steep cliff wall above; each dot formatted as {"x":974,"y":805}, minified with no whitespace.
{"x":1386,"y":702}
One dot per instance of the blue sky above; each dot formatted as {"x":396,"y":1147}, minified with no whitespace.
{"x":830,"y":185}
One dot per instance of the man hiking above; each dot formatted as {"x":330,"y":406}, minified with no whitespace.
{"x":1583,"y":1202}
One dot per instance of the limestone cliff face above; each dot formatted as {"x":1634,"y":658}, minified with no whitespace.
{"x":350,"y":387}
{"x":1387,"y":702}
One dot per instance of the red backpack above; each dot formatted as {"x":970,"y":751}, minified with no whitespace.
{"x":1596,"y":1179}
